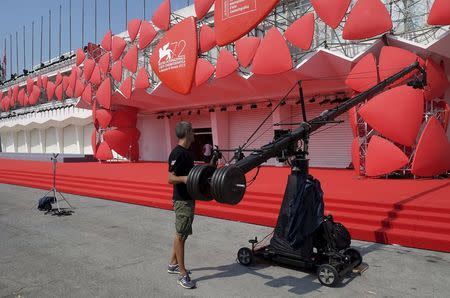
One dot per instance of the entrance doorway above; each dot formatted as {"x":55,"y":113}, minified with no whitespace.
{"x":202,"y":136}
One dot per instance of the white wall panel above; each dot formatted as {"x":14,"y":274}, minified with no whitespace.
{"x":70,"y":140}
{"x":51,"y":145}
{"x":87,"y":132}
{"x":35,"y":141}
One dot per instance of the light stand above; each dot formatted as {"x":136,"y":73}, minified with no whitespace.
{"x":59,"y":211}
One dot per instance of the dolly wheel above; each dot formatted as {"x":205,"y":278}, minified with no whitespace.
{"x":354,"y":256}
{"x":245,"y":256}
{"x":328,"y":275}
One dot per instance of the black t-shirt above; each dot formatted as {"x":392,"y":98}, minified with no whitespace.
{"x":180,"y":162}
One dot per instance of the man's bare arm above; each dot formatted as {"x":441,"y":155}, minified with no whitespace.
{"x":173,"y":179}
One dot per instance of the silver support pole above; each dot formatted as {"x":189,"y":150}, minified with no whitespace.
{"x":10,"y":53}
{"x":95,"y":20}
{"x":17,"y":52}
{"x":32,"y":45}
{"x":126,"y":14}
{"x":109,"y":14}
{"x":82,"y":23}
{"x":60,"y":20}
{"x":42,"y":35}
{"x":70,"y":26}
{"x":24,"y":58}
{"x":49,"y":35}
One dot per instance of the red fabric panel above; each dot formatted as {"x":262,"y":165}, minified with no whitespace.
{"x":69,"y":92}
{"x":246,"y":49}
{"x":175,"y":57}
{"x":80,"y":57}
{"x":116,"y":71}
{"x":103,"y":63}
{"x":65,"y":83}
{"x":446,"y":114}
{"x":5,"y":103}
{"x":226,"y":64}
{"x":96,"y":78}
{"x":73,"y":78}
{"x":393,"y":60}
{"x":133,"y":28}
{"x":118,"y":45}
{"x":20,"y":96}
{"x":123,"y":119}
{"x":35,"y":94}
{"x":87,"y":94}
{"x":79,"y":88}
{"x":106,"y":41}
{"x":331,"y":11}
{"x":94,"y":141}
{"x":58,"y":79}
{"x":396,"y":114}
{"x":231,"y":23}
{"x":355,"y":156}
{"x":38,"y":83}
{"x":25,"y":100}
{"x":89,"y":65}
{"x":146,"y":35}
{"x":437,"y":82}
{"x":142,"y":79}
{"x":353,"y":119}
{"x":273,"y":55}
{"x":30,"y":84}
{"x":125,"y":88}
{"x":104,"y":152}
{"x":207,"y":38}
{"x":203,"y":71}
{"x":15,"y":92}
{"x":161,"y":17}
{"x":368,"y":18}
{"x":94,"y":110}
{"x":118,"y":141}
{"x":104,"y":93}
{"x":432,"y":153}
{"x":301,"y":32}
{"x":103,"y":117}
{"x":130,"y":59}
{"x":383,"y":157}
{"x":59,"y":92}
{"x":44,"y":81}
{"x":50,"y":90}
{"x":364,"y":74}
{"x":439,"y":13}
{"x":202,"y":7}
{"x":132,"y":132}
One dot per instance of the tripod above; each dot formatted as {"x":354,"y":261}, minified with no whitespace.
{"x":59,"y":211}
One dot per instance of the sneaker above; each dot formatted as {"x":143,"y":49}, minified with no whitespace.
{"x":186,"y":282}
{"x":175,"y":269}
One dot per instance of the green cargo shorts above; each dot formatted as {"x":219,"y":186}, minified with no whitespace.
{"x":184,"y":216}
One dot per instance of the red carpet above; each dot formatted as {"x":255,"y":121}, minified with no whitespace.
{"x":413,"y":213}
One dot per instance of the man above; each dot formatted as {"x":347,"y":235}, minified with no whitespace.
{"x":180,"y":163}
{"x":207,"y":151}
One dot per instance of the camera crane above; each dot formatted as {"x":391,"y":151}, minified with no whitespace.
{"x":228,"y":184}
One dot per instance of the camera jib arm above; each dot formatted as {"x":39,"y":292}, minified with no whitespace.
{"x":228,"y":184}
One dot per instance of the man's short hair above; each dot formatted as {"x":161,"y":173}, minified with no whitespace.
{"x":182,"y":129}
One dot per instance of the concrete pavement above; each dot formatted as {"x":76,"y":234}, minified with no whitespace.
{"x":111,"y":249}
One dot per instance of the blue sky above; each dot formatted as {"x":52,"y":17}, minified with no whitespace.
{"x":14,"y":14}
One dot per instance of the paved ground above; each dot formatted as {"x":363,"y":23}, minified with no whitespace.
{"x":110,"y":249}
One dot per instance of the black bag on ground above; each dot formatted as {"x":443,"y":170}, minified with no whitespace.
{"x":45,"y":203}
